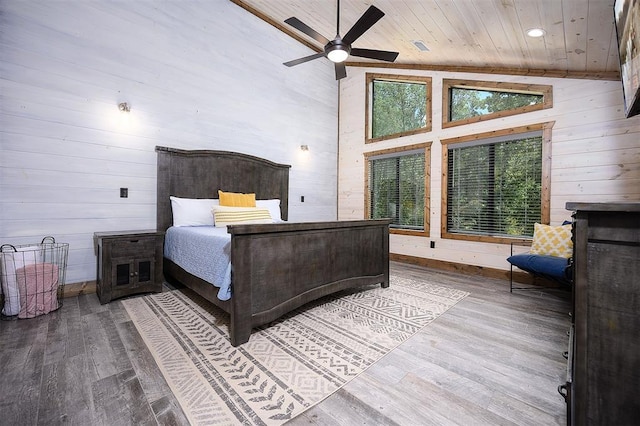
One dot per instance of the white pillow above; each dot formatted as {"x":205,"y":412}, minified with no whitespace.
{"x":273,"y":206}
{"x":10,"y":262}
{"x":224,"y":215}
{"x":192,"y":211}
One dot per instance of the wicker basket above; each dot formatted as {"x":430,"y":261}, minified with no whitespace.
{"x":32,"y":278}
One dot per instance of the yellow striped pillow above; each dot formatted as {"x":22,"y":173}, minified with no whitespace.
{"x":223,"y":216}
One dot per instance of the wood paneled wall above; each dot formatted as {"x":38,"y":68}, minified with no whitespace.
{"x":595,"y":155}
{"x":196,"y":74}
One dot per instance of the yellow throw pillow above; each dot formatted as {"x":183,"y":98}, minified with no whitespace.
{"x":223,"y":216}
{"x":235,"y":199}
{"x":552,"y":240}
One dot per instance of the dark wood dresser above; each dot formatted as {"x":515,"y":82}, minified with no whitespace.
{"x":604,"y":354}
{"x":129,"y":262}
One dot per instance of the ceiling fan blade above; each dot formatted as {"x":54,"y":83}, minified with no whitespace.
{"x":382,"y":55}
{"x":341,"y":70}
{"x":366,"y":21}
{"x":305,"y":59}
{"x":301,"y":26}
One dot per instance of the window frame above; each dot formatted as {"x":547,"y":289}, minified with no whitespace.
{"x":427,"y":188}
{"x":545,"y":195}
{"x":370,"y":77}
{"x":495,"y":86}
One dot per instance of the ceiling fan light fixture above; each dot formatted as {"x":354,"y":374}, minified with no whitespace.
{"x":337,"y":54}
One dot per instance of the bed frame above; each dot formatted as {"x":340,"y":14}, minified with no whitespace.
{"x":276,"y":267}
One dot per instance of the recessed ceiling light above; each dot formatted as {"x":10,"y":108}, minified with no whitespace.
{"x":536,"y":32}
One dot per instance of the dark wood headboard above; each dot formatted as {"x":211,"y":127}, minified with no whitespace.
{"x":201,"y":173}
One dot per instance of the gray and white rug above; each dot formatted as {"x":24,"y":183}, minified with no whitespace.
{"x":288,"y":366}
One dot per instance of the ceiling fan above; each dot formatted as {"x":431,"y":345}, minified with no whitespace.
{"x":339,"y":49}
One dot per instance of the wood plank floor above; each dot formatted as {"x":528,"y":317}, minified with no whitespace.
{"x":495,"y":358}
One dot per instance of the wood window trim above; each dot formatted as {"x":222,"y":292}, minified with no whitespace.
{"x":427,"y":185}
{"x":395,"y":78}
{"x":545,"y":195}
{"x":539,"y":89}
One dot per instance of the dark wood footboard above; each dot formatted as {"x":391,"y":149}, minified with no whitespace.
{"x":280,"y":267}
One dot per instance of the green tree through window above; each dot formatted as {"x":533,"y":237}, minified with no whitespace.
{"x":467,"y":103}
{"x":397,"y":106}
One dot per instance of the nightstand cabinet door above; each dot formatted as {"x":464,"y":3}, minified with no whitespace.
{"x":132,"y":273}
{"x":128,"y":263}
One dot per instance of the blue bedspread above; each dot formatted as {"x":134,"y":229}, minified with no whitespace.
{"x":203,"y":251}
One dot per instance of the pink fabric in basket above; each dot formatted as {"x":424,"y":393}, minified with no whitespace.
{"x":38,"y":285}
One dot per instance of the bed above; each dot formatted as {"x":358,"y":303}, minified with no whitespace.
{"x":276,"y":267}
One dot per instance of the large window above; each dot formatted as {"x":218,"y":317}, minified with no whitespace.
{"x":496,"y":184}
{"x":468,"y":101}
{"x":397,"y":188}
{"x":397,"y":106}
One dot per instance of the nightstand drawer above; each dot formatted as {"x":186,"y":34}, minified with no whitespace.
{"x":132,"y":246}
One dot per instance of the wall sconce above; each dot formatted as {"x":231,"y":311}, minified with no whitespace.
{"x":304,"y":147}
{"x":124,"y":107}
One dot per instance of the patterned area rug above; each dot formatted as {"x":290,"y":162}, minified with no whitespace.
{"x":288,"y":366}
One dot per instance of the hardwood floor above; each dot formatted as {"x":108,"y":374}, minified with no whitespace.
{"x":495,"y":358}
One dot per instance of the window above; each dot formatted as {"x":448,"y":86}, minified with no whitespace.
{"x":397,"y":188}
{"x":397,"y":106}
{"x":496,"y":184}
{"x":467,"y":101}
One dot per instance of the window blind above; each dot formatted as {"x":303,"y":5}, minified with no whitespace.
{"x":397,"y":189}
{"x":495,"y":188}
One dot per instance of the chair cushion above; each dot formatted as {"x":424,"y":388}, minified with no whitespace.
{"x":551,"y":266}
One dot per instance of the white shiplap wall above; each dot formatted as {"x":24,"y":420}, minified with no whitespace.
{"x":197,"y":75}
{"x":595,"y":155}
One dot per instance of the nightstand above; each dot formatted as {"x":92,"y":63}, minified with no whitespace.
{"x":129,"y":262}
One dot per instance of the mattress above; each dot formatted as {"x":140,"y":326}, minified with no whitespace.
{"x":203,"y":251}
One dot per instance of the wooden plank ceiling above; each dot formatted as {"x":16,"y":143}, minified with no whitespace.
{"x":468,"y":35}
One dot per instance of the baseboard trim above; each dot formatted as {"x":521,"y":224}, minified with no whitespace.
{"x":76,"y":289}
